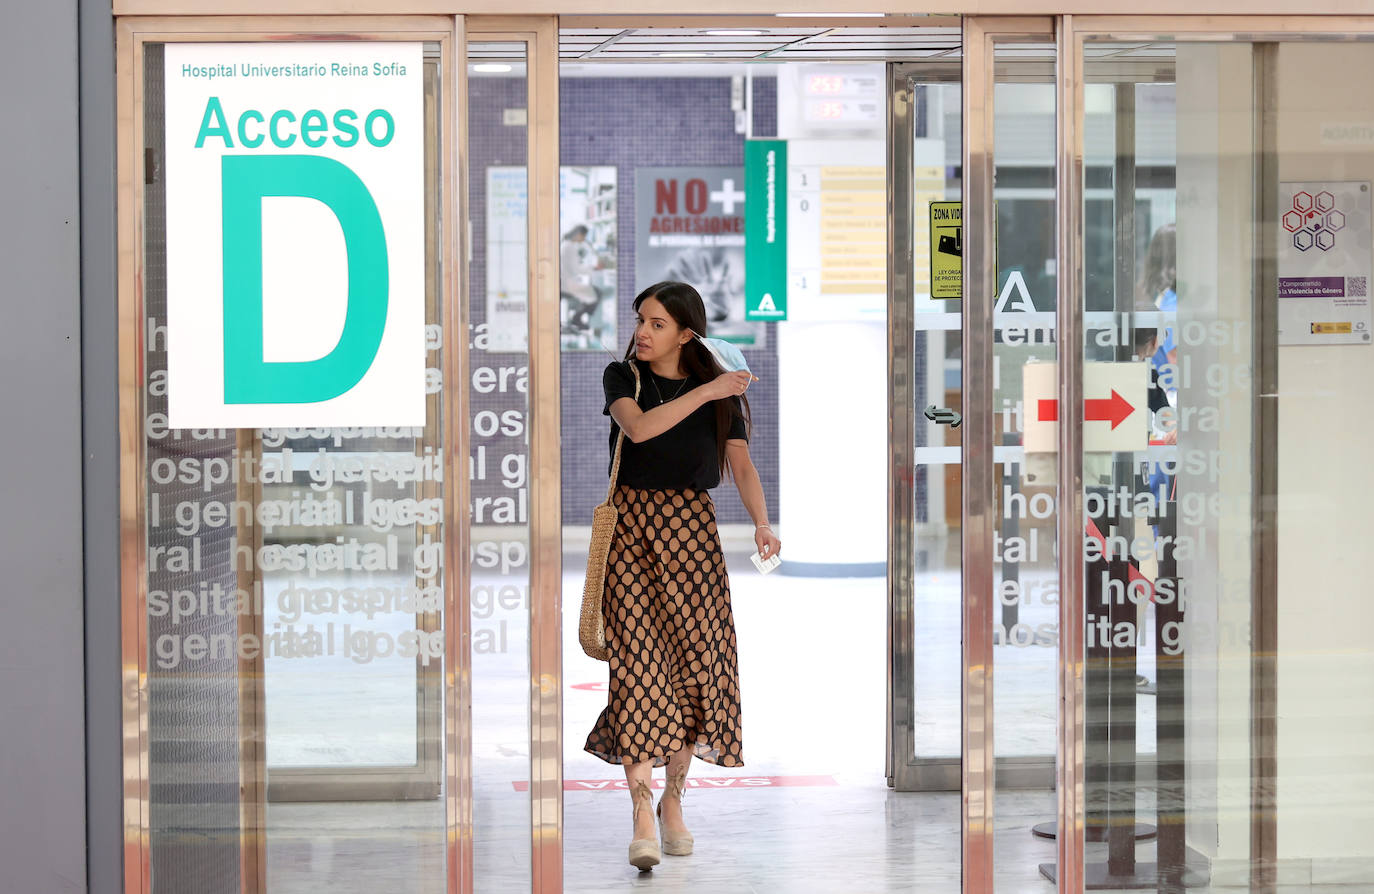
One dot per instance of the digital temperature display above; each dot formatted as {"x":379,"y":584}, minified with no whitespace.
{"x":830,"y":110}
{"x":825,"y":85}
{"x":851,"y":111}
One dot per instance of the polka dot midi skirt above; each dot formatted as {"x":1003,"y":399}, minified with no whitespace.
{"x":674,"y":680}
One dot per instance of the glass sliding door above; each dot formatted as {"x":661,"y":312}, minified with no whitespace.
{"x":1022,"y":302}
{"x":1226,"y":332}
{"x":974,"y":502}
{"x":287,"y":266}
{"x":1157,"y":578}
{"x":925,"y":136}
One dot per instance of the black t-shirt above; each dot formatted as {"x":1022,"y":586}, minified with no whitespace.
{"x":682,"y":457}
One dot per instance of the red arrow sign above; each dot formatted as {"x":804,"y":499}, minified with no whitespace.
{"x":1113,"y":409}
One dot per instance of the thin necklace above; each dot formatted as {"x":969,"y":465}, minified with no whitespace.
{"x":653,"y":380}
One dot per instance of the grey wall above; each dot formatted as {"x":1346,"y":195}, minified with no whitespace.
{"x":42,"y":683}
{"x":100,"y":440}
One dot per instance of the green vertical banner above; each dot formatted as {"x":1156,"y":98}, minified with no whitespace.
{"x":765,"y":229}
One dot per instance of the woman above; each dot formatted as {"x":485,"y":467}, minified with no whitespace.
{"x":674,"y":685}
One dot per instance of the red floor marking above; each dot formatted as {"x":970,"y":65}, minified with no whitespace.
{"x":590,"y":687}
{"x":703,"y":782}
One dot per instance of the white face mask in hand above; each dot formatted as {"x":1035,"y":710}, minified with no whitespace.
{"x":727,"y":355}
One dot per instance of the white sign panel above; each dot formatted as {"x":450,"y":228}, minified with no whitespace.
{"x":1324,"y":257}
{"x":1115,"y":407}
{"x":507,"y":258}
{"x":295,"y":235}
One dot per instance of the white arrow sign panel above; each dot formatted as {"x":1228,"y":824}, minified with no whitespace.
{"x":1115,"y":407}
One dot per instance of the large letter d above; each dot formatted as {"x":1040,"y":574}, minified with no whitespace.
{"x":247,"y":180}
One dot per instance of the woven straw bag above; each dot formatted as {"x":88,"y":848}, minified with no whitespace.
{"x":591,"y":626}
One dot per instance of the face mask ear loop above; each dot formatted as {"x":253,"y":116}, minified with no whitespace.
{"x":713,"y":352}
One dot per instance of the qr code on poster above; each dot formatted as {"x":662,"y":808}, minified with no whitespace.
{"x":1357,"y":286}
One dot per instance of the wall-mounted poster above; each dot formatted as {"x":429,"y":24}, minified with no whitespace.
{"x":689,"y":227}
{"x":587,"y":257}
{"x":1324,"y":263}
{"x":507,"y":258}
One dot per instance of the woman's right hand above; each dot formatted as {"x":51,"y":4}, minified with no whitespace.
{"x":729,"y":384}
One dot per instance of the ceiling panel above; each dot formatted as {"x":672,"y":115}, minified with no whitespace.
{"x":772,"y":44}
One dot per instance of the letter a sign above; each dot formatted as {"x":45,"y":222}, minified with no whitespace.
{"x":295,"y":235}
{"x":765,"y":230}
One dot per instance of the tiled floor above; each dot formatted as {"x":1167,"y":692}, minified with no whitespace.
{"x":813,"y":671}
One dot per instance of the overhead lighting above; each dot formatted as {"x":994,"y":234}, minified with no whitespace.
{"x":735,"y":33}
{"x":829,"y":15}
{"x":491,"y":67}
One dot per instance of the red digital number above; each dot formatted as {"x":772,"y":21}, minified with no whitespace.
{"x":828,"y":84}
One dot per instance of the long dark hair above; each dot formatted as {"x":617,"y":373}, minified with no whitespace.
{"x":1160,"y":271}
{"x":685,"y":306}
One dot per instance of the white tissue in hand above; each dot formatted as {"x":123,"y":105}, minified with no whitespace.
{"x":765,"y":565}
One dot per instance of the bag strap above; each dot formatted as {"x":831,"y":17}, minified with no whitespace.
{"x":620,"y":438}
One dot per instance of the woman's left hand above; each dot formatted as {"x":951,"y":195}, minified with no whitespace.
{"x":767,"y":542}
